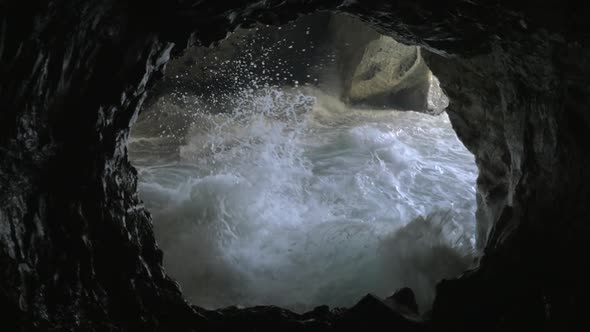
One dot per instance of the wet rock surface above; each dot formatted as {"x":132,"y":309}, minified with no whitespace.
{"x":76,"y":245}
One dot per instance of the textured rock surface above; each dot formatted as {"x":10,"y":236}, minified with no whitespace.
{"x":526,"y":125}
{"x":76,"y":246}
{"x":388,"y":74}
{"x":375,"y":70}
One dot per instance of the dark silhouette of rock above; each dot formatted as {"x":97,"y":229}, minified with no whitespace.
{"x":372,"y":313}
{"x":404,"y":298}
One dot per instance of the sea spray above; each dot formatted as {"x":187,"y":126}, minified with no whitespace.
{"x":290,"y":198}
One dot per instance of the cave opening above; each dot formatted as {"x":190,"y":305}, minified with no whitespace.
{"x":77,"y":246}
{"x":305,"y":164}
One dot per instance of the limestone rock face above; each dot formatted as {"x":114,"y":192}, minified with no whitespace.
{"x":77,"y":250}
{"x":390,"y":75}
{"x":376,"y":71}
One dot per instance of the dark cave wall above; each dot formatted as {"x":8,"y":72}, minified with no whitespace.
{"x":76,"y":245}
{"x":526,"y":124}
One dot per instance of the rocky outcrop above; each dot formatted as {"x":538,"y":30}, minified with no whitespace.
{"x":76,"y":245}
{"x":390,"y":74}
{"x":375,"y":70}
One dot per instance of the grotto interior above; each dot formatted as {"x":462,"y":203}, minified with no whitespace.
{"x":312,"y":159}
{"x":77,"y":244}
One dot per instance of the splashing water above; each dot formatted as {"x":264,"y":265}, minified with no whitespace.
{"x":290,"y":198}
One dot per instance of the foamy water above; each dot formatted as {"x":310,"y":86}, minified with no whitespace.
{"x":290,"y":198}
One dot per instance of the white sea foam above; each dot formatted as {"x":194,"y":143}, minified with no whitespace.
{"x":292,"y":199}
